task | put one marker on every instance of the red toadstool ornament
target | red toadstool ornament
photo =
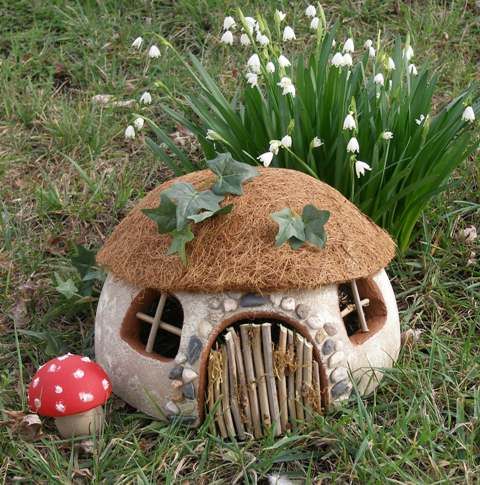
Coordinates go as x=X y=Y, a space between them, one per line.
x=72 y=389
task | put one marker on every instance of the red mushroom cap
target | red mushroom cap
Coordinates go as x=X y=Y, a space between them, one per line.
x=68 y=385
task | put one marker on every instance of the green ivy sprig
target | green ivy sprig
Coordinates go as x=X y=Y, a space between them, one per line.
x=298 y=230
x=181 y=205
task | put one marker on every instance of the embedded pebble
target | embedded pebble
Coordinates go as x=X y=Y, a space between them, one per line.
x=188 y=407
x=314 y=322
x=328 y=346
x=276 y=299
x=336 y=359
x=194 y=349
x=189 y=390
x=303 y=311
x=189 y=375
x=176 y=383
x=175 y=372
x=251 y=299
x=230 y=305
x=330 y=329
x=340 y=388
x=288 y=303
x=214 y=303
x=171 y=407
x=177 y=395
x=339 y=345
x=339 y=374
x=180 y=358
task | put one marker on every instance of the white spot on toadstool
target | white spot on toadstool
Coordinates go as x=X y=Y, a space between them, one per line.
x=105 y=384
x=60 y=407
x=85 y=396
x=58 y=389
x=85 y=359
x=78 y=374
x=37 y=403
x=63 y=357
x=35 y=382
x=53 y=368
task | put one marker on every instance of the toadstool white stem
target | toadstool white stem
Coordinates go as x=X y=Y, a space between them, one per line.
x=81 y=424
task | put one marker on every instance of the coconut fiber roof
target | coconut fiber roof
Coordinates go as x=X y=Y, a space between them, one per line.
x=237 y=251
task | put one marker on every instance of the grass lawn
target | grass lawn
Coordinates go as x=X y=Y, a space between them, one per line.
x=68 y=176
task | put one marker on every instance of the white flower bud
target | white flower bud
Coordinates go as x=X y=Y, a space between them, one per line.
x=368 y=44
x=337 y=60
x=371 y=52
x=311 y=11
x=244 y=39
x=315 y=23
x=139 y=122
x=353 y=146
x=408 y=53
x=254 y=63
x=154 y=52
x=266 y=158
x=387 y=135
x=391 y=64
x=288 y=34
x=349 y=122
x=228 y=23
x=349 y=46
x=263 y=40
x=379 y=79
x=286 y=141
x=316 y=142
x=252 y=79
x=280 y=15
x=287 y=86
x=468 y=115
x=130 y=133
x=283 y=61
x=275 y=146
x=347 y=60
x=146 y=98
x=270 y=67
x=137 y=43
x=227 y=38
x=360 y=168
x=412 y=69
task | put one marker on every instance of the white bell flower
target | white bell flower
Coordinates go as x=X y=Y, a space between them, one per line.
x=287 y=86
x=420 y=120
x=227 y=38
x=349 y=122
x=408 y=53
x=266 y=158
x=283 y=61
x=263 y=40
x=252 y=79
x=137 y=43
x=371 y=52
x=347 y=60
x=228 y=23
x=468 y=115
x=146 y=98
x=379 y=79
x=391 y=64
x=334 y=43
x=387 y=135
x=360 y=168
x=316 y=142
x=349 y=46
x=130 y=133
x=286 y=141
x=412 y=69
x=275 y=146
x=315 y=23
x=368 y=44
x=311 y=11
x=244 y=39
x=154 y=52
x=270 y=67
x=280 y=15
x=254 y=63
x=337 y=60
x=251 y=23
x=139 y=122
x=353 y=146
x=288 y=34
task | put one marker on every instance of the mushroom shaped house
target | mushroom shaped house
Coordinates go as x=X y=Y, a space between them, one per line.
x=259 y=333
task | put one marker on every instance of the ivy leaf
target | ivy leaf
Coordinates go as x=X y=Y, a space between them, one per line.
x=67 y=288
x=314 y=220
x=180 y=237
x=207 y=214
x=165 y=215
x=189 y=202
x=290 y=226
x=231 y=174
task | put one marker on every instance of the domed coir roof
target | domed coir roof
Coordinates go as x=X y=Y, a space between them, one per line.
x=237 y=252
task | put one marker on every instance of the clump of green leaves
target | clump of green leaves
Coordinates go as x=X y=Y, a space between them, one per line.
x=298 y=230
x=181 y=205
